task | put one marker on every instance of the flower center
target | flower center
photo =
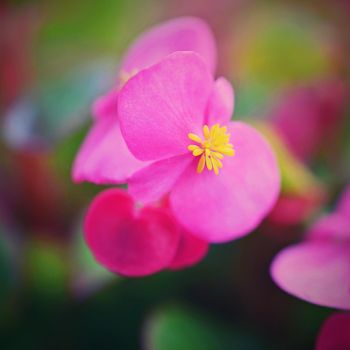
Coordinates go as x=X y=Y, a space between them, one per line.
x=212 y=149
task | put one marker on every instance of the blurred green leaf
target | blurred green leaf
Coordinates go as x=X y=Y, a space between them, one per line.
x=56 y=108
x=174 y=328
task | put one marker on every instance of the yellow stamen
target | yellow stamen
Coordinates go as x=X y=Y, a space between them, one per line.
x=215 y=145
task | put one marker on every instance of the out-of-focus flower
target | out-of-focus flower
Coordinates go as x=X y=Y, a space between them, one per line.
x=301 y=192
x=308 y=116
x=104 y=156
x=15 y=58
x=136 y=241
x=222 y=176
x=318 y=270
x=334 y=334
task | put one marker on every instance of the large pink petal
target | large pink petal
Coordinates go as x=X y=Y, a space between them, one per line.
x=222 y=207
x=315 y=271
x=128 y=243
x=334 y=334
x=343 y=207
x=221 y=103
x=154 y=181
x=181 y=34
x=159 y=106
x=190 y=251
x=104 y=157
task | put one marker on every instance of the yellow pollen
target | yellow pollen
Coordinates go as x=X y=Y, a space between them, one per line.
x=212 y=149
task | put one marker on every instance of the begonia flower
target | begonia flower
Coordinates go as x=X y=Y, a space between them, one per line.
x=222 y=176
x=318 y=269
x=134 y=241
x=334 y=334
x=104 y=157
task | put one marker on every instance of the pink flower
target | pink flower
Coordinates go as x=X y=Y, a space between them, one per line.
x=136 y=242
x=222 y=176
x=104 y=157
x=318 y=270
x=334 y=334
x=320 y=111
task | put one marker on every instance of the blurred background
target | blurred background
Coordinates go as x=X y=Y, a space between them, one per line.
x=289 y=64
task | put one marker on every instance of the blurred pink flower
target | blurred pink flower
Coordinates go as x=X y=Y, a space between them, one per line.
x=318 y=270
x=334 y=334
x=136 y=241
x=309 y=117
x=104 y=157
x=175 y=115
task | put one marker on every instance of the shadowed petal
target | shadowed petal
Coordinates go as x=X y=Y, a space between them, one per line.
x=104 y=157
x=154 y=181
x=128 y=243
x=334 y=334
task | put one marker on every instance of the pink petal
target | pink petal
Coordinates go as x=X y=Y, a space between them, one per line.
x=334 y=334
x=154 y=181
x=221 y=103
x=344 y=204
x=315 y=271
x=127 y=243
x=181 y=34
x=334 y=227
x=159 y=106
x=190 y=251
x=104 y=157
x=106 y=105
x=222 y=207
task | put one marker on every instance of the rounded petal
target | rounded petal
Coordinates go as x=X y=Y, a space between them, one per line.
x=221 y=103
x=223 y=207
x=126 y=243
x=334 y=334
x=190 y=251
x=154 y=181
x=106 y=105
x=104 y=157
x=317 y=272
x=159 y=106
x=180 y=34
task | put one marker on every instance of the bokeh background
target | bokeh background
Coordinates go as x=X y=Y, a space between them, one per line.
x=289 y=64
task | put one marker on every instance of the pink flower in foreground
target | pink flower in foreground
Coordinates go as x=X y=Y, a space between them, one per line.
x=318 y=270
x=222 y=176
x=104 y=157
x=334 y=334
x=136 y=242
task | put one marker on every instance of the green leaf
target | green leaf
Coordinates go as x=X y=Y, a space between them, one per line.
x=174 y=328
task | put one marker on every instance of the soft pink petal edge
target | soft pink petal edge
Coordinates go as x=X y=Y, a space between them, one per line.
x=316 y=272
x=104 y=158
